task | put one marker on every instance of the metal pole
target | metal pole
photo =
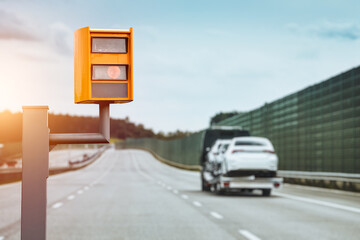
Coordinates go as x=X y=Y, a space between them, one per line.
x=83 y=138
x=35 y=170
x=104 y=120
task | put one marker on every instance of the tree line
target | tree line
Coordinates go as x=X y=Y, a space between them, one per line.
x=11 y=127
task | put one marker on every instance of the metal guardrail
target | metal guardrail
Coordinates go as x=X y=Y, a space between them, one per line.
x=341 y=181
x=14 y=174
x=321 y=175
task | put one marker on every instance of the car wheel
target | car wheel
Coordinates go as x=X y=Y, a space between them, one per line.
x=218 y=189
x=266 y=192
x=204 y=186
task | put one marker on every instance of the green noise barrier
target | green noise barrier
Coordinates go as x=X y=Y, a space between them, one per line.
x=316 y=129
x=185 y=151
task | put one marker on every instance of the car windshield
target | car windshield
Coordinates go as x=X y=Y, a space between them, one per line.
x=248 y=143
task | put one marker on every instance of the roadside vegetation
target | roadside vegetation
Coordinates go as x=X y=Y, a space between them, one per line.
x=11 y=127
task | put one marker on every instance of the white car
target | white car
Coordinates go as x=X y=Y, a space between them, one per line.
x=213 y=165
x=217 y=164
x=214 y=152
x=250 y=156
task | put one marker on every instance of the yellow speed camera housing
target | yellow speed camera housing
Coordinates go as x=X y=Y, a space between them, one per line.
x=103 y=65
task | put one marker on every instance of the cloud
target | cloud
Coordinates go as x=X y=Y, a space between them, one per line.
x=61 y=38
x=56 y=36
x=13 y=27
x=329 y=30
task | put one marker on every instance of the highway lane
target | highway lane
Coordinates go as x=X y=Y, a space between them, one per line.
x=10 y=198
x=127 y=194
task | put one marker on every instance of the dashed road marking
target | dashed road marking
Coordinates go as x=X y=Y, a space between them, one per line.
x=169 y=188
x=216 y=215
x=80 y=192
x=323 y=203
x=175 y=191
x=248 y=235
x=86 y=188
x=57 y=205
x=185 y=196
x=196 y=203
x=71 y=197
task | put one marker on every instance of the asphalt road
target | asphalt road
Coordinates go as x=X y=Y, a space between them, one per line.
x=127 y=194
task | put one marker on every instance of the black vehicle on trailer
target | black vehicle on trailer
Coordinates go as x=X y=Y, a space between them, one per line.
x=209 y=138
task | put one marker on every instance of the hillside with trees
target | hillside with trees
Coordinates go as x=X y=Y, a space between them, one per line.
x=11 y=127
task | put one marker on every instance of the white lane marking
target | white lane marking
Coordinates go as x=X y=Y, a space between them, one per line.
x=71 y=197
x=216 y=215
x=57 y=205
x=80 y=192
x=248 y=235
x=185 y=196
x=196 y=203
x=326 y=190
x=169 y=188
x=322 y=203
x=175 y=191
x=86 y=188
x=159 y=182
x=2 y=237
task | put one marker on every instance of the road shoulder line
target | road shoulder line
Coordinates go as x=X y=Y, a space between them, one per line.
x=319 y=202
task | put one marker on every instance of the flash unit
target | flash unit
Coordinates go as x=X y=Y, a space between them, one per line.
x=103 y=66
x=109 y=72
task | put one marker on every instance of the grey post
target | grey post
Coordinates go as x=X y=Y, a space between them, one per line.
x=35 y=165
x=35 y=169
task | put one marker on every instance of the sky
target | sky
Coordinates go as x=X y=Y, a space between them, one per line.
x=192 y=59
